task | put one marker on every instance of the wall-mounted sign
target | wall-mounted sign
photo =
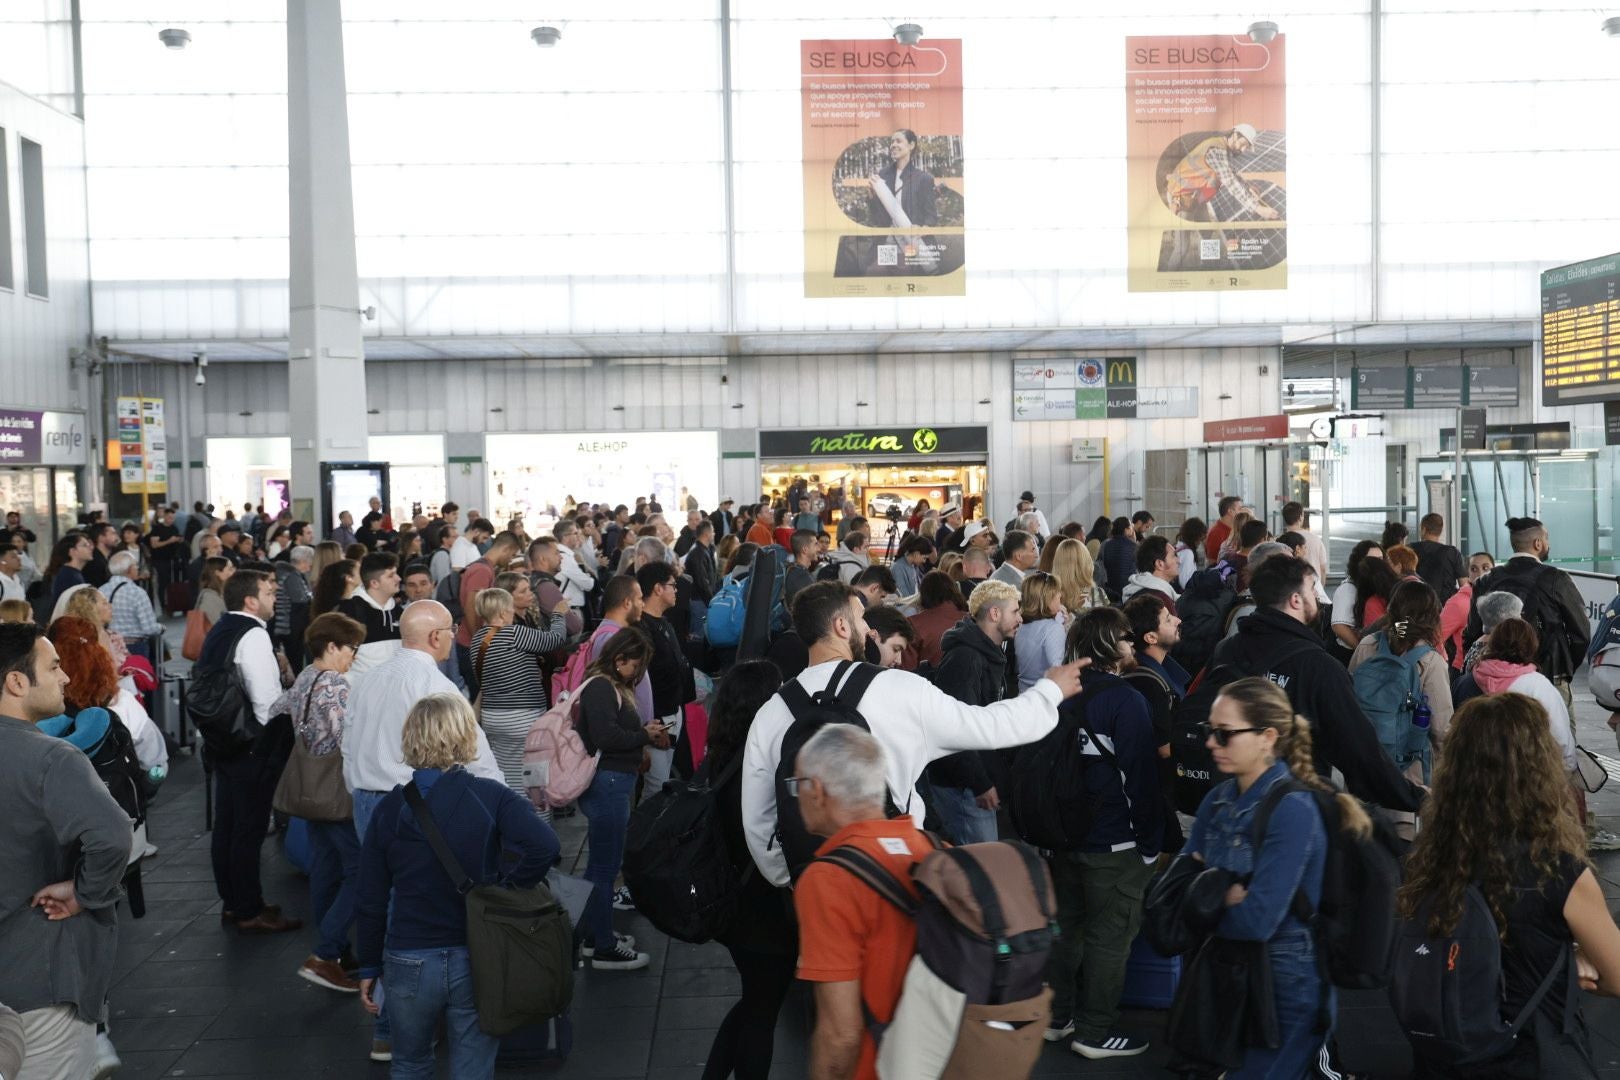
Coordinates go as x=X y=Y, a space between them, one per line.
x=1611 y=423
x=860 y=444
x=1088 y=451
x=1433 y=387
x=1248 y=429
x=143 y=446
x=1580 y=332
x=42 y=437
x=1095 y=388
x=1473 y=429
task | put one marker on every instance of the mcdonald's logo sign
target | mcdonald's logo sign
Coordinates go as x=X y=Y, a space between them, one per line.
x=1122 y=372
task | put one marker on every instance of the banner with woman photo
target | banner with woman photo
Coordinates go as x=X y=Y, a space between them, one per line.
x=883 y=188
x=1207 y=153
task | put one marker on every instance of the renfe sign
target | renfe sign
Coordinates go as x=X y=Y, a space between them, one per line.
x=42 y=438
x=1249 y=429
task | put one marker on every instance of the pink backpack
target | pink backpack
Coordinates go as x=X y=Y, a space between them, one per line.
x=556 y=766
x=568 y=678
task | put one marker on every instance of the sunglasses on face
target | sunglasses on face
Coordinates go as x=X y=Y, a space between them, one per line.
x=1223 y=736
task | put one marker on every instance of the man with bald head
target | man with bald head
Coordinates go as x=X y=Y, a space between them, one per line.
x=374 y=726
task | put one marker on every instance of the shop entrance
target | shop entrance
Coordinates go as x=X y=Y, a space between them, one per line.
x=886 y=493
x=46 y=499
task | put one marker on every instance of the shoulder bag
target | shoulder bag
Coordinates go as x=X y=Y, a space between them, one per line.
x=312 y=787
x=520 y=941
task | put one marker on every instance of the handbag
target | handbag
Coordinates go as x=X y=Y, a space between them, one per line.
x=1592 y=773
x=196 y=633
x=1225 y=1004
x=520 y=941
x=312 y=787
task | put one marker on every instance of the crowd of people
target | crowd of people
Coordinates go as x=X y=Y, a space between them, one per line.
x=1131 y=705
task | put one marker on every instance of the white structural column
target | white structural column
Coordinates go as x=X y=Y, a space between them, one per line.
x=326 y=364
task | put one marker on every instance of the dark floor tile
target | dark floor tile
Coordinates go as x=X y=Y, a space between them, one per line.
x=609 y=989
x=144 y=1064
x=173 y=1033
x=625 y=1059
x=676 y=1014
x=682 y=1048
x=185 y=973
x=682 y=955
x=135 y=1002
x=273 y=1054
x=316 y=1013
x=619 y=1022
x=676 y=1073
x=702 y=982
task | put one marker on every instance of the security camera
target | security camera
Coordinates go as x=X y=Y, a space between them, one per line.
x=546 y=36
x=201 y=379
x=908 y=33
x=174 y=38
x=370 y=313
x=1262 y=32
x=200 y=357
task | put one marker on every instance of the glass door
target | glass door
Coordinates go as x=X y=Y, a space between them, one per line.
x=1567 y=490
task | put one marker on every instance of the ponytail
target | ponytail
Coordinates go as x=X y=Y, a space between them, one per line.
x=1296 y=748
x=1265 y=705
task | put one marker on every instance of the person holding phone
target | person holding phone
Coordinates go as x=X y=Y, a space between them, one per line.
x=611 y=725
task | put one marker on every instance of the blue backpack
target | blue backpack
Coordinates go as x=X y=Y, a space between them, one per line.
x=725 y=618
x=1389 y=689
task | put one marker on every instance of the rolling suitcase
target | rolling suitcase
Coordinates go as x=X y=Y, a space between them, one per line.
x=542 y=1044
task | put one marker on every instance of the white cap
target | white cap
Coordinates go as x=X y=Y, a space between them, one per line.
x=973 y=528
x=1247 y=131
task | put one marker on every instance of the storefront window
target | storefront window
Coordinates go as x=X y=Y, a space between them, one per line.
x=532 y=476
x=28 y=492
x=416 y=481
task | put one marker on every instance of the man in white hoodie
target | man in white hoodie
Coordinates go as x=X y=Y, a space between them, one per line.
x=1156 y=569
x=916 y=722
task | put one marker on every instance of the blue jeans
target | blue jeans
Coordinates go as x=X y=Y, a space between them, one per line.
x=420 y=985
x=334 y=867
x=1299 y=1000
x=606 y=804
x=965 y=821
x=365 y=804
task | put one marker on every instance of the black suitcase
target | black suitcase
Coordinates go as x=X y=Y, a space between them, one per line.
x=542 y=1044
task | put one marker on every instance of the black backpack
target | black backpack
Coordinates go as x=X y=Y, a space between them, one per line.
x=220 y=707
x=1447 y=989
x=677 y=863
x=1355 y=925
x=1202 y=606
x=1195 y=767
x=1542 y=612
x=1048 y=800
x=828 y=571
x=838 y=703
x=448 y=593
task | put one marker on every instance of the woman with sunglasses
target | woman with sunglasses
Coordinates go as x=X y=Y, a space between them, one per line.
x=1258 y=741
x=610 y=725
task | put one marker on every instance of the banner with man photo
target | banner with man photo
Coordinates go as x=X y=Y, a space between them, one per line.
x=1206 y=144
x=883 y=189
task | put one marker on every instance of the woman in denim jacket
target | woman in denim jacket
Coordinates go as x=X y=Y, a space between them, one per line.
x=1258 y=741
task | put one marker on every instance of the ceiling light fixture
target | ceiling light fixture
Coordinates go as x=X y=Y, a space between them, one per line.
x=1262 y=32
x=1611 y=26
x=174 y=38
x=546 y=36
x=908 y=33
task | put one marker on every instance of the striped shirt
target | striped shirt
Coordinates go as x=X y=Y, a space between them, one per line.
x=132 y=613
x=512 y=677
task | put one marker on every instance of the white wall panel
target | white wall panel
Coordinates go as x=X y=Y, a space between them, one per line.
x=36 y=333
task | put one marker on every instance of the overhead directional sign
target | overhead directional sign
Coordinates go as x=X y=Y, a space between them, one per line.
x=1095 y=388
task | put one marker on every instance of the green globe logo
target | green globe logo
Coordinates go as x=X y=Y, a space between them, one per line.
x=924 y=440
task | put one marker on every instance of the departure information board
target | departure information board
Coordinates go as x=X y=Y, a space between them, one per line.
x=1580 y=332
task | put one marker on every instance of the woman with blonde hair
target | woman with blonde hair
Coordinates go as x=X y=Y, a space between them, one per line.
x=90 y=604
x=1230 y=544
x=1075 y=571
x=1044 y=630
x=410 y=917
x=1258 y=741
x=327 y=552
x=1501 y=819
x=510 y=683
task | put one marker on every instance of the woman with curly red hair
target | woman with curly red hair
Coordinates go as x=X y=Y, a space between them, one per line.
x=95 y=684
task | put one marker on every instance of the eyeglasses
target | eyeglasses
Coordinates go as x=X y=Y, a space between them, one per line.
x=1223 y=735
x=442 y=629
x=793 y=783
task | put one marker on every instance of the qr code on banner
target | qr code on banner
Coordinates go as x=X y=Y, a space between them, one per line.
x=888 y=254
x=1209 y=249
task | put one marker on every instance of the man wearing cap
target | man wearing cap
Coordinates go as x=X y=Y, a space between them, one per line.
x=950 y=535
x=1207 y=170
x=1045 y=530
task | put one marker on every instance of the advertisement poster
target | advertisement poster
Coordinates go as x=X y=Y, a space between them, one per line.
x=1094 y=388
x=143 y=450
x=883 y=187
x=1206 y=141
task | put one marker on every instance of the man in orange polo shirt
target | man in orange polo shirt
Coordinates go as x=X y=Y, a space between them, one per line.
x=853 y=945
x=760 y=533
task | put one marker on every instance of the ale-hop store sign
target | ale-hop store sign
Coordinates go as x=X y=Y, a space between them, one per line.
x=861 y=443
x=1094 y=388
